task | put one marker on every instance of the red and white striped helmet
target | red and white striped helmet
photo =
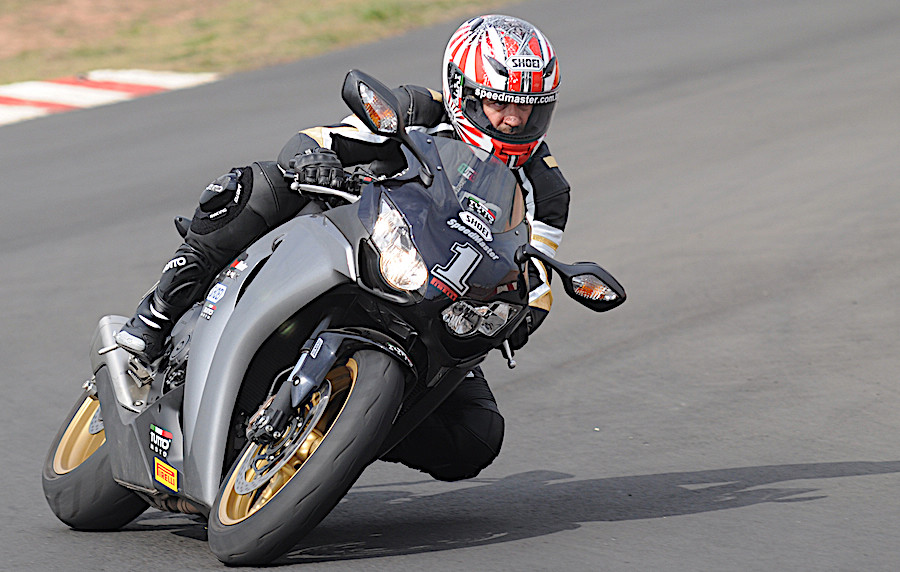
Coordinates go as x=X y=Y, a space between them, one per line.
x=505 y=59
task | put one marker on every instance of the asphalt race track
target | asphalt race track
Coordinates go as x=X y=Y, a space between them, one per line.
x=733 y=164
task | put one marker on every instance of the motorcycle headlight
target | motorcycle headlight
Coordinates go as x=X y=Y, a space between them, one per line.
x=465 y=318
x=400 y=263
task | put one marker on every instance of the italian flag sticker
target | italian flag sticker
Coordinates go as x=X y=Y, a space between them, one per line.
x=160 y=431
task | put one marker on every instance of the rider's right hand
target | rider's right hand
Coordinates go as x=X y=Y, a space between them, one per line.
x=319 y=166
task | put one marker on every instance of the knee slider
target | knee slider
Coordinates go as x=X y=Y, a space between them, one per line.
x=222 y=191
x=223 y=200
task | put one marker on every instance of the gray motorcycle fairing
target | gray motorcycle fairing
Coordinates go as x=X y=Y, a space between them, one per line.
x=299 y=261
x=280 y=274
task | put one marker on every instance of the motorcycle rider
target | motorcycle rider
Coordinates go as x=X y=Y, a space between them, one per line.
x=500 y=81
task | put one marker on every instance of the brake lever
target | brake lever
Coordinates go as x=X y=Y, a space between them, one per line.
x=508 y=354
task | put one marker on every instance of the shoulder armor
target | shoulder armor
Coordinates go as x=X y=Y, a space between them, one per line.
x=551 y=190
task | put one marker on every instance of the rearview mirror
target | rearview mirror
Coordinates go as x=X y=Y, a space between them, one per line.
x=585 y=282
x=377 y=106
x=374 y=103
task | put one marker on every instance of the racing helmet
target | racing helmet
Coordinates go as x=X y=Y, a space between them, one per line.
x=507 y=60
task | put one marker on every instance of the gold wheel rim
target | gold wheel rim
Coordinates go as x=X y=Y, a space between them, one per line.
x=77 y=443
x=235 y=508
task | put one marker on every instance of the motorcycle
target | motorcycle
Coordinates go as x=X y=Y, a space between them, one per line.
x=314 y=353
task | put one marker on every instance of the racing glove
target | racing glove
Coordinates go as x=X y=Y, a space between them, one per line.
x=319 y=166
x=534 y=314
x=533 y=318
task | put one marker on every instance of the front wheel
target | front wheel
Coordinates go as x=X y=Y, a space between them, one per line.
x=253 y=523
x=77 y=477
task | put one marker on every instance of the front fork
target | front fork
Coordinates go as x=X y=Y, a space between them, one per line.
x=317 y=357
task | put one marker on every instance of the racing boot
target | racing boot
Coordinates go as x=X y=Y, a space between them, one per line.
x=183 y=281
x=145 y=333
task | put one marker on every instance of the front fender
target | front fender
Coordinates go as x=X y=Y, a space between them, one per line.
x=286 y=269
x=330 y=345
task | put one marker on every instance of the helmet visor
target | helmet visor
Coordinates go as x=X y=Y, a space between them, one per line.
x=542 y=105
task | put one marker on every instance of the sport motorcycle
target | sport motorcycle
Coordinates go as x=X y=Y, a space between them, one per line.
x=314 y=353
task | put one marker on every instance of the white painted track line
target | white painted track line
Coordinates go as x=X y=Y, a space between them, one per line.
x=30 y=99
x=73 y=95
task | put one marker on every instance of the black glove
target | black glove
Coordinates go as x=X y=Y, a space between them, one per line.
x=533 y=318
x=319 y=166
x=519 y=337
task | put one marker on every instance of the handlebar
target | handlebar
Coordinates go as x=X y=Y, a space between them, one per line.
x=349 y=190
x=316 y=189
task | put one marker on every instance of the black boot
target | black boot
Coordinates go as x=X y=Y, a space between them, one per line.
x=184 y=280
x=145 y=333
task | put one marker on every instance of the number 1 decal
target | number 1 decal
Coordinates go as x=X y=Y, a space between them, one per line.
x=456 y=273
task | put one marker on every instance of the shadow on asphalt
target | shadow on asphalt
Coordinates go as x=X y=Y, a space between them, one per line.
x=386 y=520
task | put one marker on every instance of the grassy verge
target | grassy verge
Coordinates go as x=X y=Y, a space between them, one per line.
x=52 y=38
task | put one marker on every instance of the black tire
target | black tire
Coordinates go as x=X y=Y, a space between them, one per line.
x=349 y=444
x=77 y=477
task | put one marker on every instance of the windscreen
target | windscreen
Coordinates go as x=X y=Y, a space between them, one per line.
x=483 y=185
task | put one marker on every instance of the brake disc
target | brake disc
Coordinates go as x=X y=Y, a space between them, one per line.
x=258 y=468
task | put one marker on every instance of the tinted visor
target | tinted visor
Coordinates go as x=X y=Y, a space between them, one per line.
x=536 y=126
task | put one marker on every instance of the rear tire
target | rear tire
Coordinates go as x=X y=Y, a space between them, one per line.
x=77 y=476
x=260 y=526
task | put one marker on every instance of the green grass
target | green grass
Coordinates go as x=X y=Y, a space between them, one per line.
x=53 y=38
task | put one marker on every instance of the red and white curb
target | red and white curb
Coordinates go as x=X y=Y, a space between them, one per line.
x=29 y=99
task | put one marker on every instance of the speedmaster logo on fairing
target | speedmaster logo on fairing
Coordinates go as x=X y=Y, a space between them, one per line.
x=456 y=225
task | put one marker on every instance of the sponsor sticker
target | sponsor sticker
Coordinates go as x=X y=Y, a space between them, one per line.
x=175 y=263
x=525 y=63
x=235 y=269
x=523 y=99
x=448 y=291
x=165 y=474
x=207 y=311
x=466 y=171
x=480 y=209
x=216 y=293
x=316 y=347
x=477 y=237
x=160 y=441
x=453 y=278
x=477 y=224
x=398 y=351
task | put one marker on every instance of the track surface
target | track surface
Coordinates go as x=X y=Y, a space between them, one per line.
x=733 y=164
